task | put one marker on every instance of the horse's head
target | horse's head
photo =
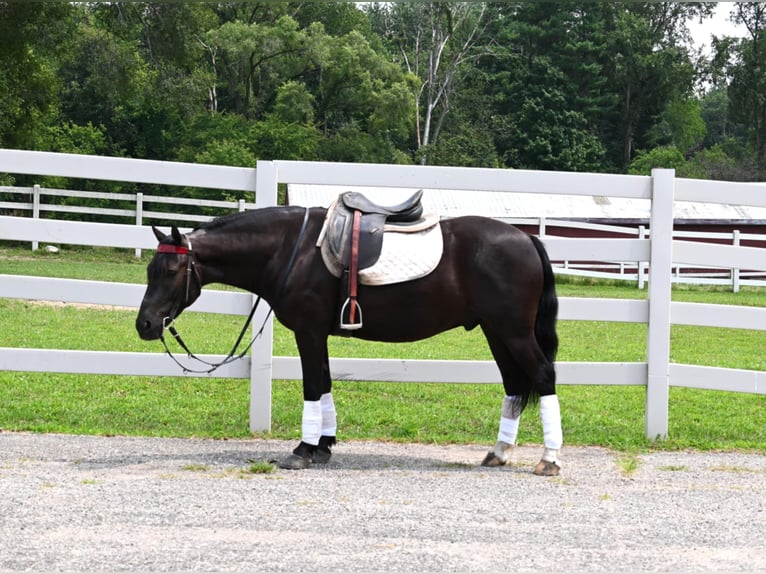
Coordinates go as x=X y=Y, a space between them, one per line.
x=173 y=283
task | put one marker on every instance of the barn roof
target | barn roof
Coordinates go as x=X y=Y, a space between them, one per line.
x=510 y=205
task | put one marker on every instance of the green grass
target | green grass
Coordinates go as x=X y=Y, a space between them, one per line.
x=431 y=413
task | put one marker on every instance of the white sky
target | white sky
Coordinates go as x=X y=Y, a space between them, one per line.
x=719 y=25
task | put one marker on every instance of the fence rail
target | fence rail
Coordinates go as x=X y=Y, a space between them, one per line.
x=635 y=271
x=138 y=212
x=659 y=249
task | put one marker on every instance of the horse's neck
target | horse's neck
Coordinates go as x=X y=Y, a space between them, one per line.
x=247 y=259
x=240 y=261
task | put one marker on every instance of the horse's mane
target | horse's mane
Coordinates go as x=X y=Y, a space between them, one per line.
x=247 y=218
x=225 y=220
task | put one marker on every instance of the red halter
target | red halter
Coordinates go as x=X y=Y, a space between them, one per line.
x=165 y=248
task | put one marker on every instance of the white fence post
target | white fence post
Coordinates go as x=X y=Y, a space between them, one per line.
x=641 y=265
x=262 y=351
x=735 y=272
x=139 y=215
x=35 y=211
x=660 y=281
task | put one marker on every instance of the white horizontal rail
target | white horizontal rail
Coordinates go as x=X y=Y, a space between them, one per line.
x=127 y=169
x=433 y=371
x=86 y=194
x=728 y=192
x=709 y=315
x=617 y=229
x=53 y=208
x=605 y=249
x=113 y=294
x=619 y=310
x=175 y=217
x=110 y=363
x=460 y=178
x=718 y=379
x=716 y=255
x=76 y=232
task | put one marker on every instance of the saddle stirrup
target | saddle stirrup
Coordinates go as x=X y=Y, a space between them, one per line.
x=351 y=302
x=352 y=305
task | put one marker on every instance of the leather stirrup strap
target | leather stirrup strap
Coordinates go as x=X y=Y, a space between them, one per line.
x=354 y=265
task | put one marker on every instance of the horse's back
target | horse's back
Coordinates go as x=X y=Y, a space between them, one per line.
x=487 y=266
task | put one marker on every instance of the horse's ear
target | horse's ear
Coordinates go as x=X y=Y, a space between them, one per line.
x=158 y=234
x=177 y=238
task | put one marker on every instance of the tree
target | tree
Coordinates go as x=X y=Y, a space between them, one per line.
x=28 y=68
x=543 y=99
x=747 y=76
x=680 y=124
x=647 y=65
x=436 y=42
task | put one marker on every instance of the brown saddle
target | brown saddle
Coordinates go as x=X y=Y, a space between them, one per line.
x=353 y=237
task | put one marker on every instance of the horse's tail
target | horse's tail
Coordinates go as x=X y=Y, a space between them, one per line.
x=547 y=311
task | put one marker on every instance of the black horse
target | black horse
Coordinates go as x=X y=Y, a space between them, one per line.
x=490 y=274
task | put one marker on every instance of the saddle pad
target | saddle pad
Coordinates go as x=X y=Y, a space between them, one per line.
x=404 y=257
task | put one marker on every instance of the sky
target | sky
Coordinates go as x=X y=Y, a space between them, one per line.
x=719 y=25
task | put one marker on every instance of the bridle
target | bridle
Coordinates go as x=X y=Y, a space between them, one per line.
x=191 y=271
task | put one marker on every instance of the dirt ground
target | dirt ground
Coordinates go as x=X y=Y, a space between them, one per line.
x=82 y=503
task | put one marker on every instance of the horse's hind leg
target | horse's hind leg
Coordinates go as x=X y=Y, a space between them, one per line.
x=543 y=377
x=526 y=371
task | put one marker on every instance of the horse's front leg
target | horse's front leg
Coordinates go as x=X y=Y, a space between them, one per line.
x=319 y=424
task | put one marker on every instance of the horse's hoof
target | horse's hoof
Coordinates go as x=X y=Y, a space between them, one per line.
x=295 y=462
x=547 y=468
x=321 y=456
x=322 y=453
x=493 y=460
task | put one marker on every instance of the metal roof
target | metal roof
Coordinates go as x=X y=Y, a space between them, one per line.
x=514 y=205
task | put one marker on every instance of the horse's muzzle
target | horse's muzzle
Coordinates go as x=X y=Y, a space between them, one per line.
x=148 y=328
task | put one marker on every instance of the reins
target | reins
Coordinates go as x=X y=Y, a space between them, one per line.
x=168 y=322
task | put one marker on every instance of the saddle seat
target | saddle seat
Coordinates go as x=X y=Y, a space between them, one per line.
x=408 y=211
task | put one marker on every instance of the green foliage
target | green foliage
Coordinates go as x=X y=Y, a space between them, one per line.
x=681 y=125
x=572 y=85
x=294 y=103
x=661 y=157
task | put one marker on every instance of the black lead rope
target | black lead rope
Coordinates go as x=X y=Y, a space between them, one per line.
x=231 y=357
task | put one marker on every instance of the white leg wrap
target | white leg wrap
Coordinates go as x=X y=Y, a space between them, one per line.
x=329 y=419
x=509 y=426
x=312 y=422
x=550 y=415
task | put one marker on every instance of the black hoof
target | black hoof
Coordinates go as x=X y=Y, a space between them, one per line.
x=547 y=468
x=294 y=462
x=493 y=460
x=323 y=452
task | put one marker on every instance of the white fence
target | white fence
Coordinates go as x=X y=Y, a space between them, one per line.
x=32 y=200
x=660 y=252
x=638 y=272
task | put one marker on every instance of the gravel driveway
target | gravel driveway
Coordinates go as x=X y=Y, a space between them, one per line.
x=80 y=503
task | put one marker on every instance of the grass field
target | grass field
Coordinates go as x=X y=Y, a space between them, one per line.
x=209 y=407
